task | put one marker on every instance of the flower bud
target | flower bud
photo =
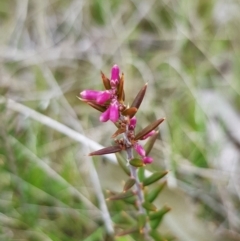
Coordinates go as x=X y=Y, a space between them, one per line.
x=105 y=115
x=115 y=72
x=147 y=160
x=148 y=135
x=103 y=96
x=89 y=94
x=139 y=149
x=132 y=123
x=114 y=113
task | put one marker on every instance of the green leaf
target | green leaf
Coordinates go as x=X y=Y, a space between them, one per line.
x=150 y=143
x=122 y=163
x=157 y=217
x=122 y=195
x=128 y=231
x=141 y=172
x=156 y=235
x=153 y=178
x=129 y=183
x=160 y=213
x=142 y=219
x=136 y=162
x=128 y=219
x=152 y=195
x=131 y=200
x=149 y=206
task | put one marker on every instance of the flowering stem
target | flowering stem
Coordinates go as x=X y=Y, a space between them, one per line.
x=134 y=175
x=138 y=190
x=111 y=103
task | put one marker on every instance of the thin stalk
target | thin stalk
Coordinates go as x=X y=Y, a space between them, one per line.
x=138 y=187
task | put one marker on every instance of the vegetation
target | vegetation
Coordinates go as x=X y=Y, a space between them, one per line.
x=187 y=51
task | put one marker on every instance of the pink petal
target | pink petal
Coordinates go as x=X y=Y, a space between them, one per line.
x=114 y=113
x=89 y=94
x=132 y=123
x=148 y=135
x=147 y=159
x=105 y=115
x=140 y=150
x=103 y=96
x=115 y=72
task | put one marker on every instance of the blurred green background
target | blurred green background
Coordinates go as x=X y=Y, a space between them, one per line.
x=50 y=50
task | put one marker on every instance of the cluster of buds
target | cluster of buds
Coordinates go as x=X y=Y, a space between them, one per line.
x=111 y=103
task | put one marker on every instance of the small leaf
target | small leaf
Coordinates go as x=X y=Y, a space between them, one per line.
x=128 y=231
x=131 y=200
x=122 y=195
x=81 y=99
x=156 y=235
x=153 y=178
x=93 y=104
x=97 y=106
x=120 y=89
x=149 y=128
x=142 y=219
x=159 y=214
x=149 y=206
x=136 y=162
x=118 y=132
x=130 y=112
x=122 y=163
x=141 y=173
x=152 y=195
x=129 y=183
x=127 y=218
x=156 y=218
x=138 y=99
x=106 y=150
x=149 y=145
x=106 y=81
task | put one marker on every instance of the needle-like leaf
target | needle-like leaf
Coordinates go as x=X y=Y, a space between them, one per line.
x=149 y=145
x=106 y=81
x=154 y=177
x=122 y=195
x=106 y=150
x=130 y=112
x=129 y=183
x=120 y=89
x=149 y=128
x=138 y=99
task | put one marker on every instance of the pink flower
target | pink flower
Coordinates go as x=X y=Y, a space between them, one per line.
x=111 y=113
x=89 y=94
x=103 y=96
x=114 y=75
x=99 y=96
x=115 y=72
x=147 y=159
x=132 y=123
x=140 y=150
x=114 y=113
x=105 y=115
